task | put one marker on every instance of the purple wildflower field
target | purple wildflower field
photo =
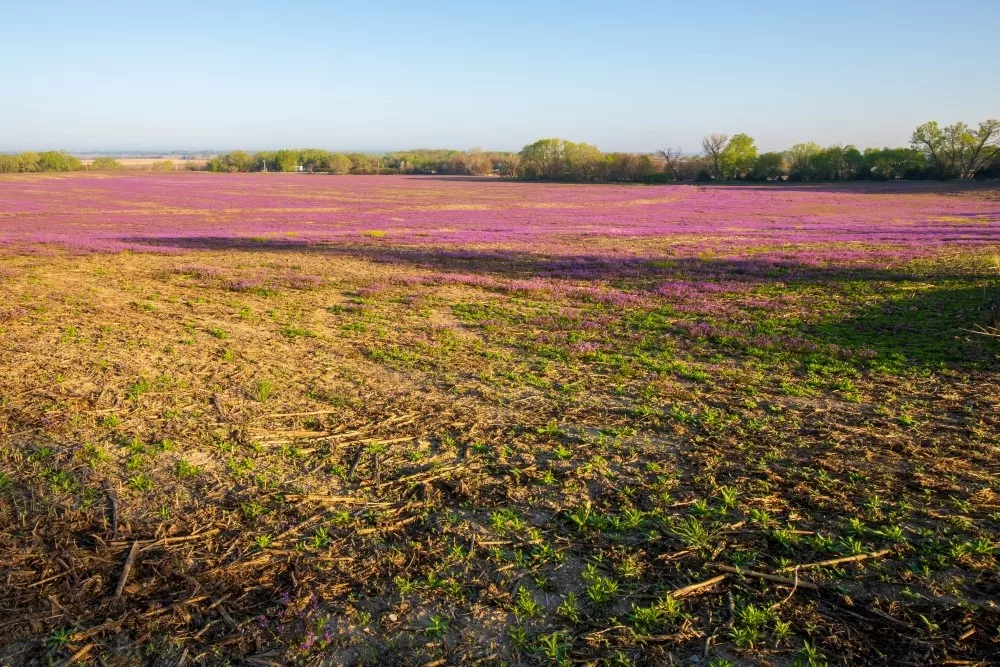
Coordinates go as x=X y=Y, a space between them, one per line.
x=421 y=420
x=804 y=224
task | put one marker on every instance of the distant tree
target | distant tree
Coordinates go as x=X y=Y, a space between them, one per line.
x=162 y=165
x=713 y=145
x=285 y=160
x=508 y=165
x=883 y=164
x=263 y=161
x=234 y=161
x=543 y=159
x=363 y=163
x=583 y=161
x=694 y=168
x=802 y=161
x=835 y=163
x=826 y=165
x=104 y=163
x=28 y=162
x=58 y=161
x=432 y=161
x=671 y=156
x=339 y=163
x=557 y=159
x=479 y=163
x=9 y=164
x=853 y=162
x=958 y=151
x=239 y=161
x=455 y=164
x=931 y=139
x=629 y=167
x=313 y=159
x=768 y=167
x=738 y=157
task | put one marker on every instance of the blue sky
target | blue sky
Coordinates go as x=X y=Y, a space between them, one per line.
x=389 y=75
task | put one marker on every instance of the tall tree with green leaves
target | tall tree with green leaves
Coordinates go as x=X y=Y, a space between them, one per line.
x=339 y=163
x=58 y=161
x=314 y=159
x=286 y=160
x=583 y=161
x=768 y=167
x=543 y=159
x=738 y=157
x=958 y=151
x=802 y=161
x=105 y=163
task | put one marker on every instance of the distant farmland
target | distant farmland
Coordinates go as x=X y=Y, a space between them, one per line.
x=310 y=419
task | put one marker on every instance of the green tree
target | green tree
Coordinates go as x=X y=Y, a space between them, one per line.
x=738 y=157
x=363 y=163
x=802 y=161
x=583 y=161
x=883 y=164
x=958 y=151
x=58 y=161
x=263 y=161
x=230 y=162
x=826 y=165
x=28 y=162
x=285 y=160
x=339 y=163
x=543 y=159
x=9 y=164
x=629 y=167
x=836 y=163
x=769 y=167
x=314 y=159
x=853 y=162
x=104 y=163
x=216 y=164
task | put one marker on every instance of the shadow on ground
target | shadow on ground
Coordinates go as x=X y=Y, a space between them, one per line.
x=841 y=187
x=923 y=316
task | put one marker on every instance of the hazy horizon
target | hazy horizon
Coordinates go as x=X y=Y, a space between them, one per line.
x=112 y=77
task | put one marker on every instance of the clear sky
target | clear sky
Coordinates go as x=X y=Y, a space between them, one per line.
x=389 y=75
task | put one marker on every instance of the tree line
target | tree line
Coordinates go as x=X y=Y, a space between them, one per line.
x=422 y=161
x=953 y=151
x=30 y=161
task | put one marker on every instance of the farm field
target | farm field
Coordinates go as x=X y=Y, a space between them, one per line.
x=304 y=419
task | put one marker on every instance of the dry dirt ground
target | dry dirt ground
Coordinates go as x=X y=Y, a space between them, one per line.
x=272 y=455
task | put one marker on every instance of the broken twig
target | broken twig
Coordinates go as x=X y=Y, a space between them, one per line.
x=694 y=588
x=836 y=561
x=761 y=575
x=129 y=561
